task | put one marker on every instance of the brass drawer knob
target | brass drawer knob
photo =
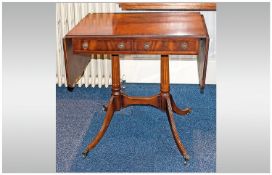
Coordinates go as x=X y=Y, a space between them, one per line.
x=121 y=45
x=146 y=46
x=85 y=45
x=184 y=45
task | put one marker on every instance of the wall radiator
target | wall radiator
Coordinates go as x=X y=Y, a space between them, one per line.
x=98 y=72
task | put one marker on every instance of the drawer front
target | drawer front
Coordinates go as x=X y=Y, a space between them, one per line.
x=137 y=46
x=102 y=45
x=188 y=46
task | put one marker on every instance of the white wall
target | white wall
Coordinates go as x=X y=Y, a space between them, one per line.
x=181 y=70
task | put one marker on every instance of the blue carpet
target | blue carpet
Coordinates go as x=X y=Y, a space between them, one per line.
x=139 y=138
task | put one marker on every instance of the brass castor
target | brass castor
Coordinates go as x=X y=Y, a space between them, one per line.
x=85 y=153
x=189 y=112
x=186 y=159
x=105 y=108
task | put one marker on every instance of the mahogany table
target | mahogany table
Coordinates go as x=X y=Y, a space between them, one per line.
x=137 y=33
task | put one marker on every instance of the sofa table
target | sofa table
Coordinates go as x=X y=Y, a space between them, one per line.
x=176 y=33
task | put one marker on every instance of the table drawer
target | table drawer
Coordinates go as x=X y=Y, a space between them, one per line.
x=137 y=46
x=189 y=46
x=102 y=45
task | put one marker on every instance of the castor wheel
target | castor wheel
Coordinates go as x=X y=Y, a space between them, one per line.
x=85 y=153
x=189 y=112
x=105 y=108
x=186 y=159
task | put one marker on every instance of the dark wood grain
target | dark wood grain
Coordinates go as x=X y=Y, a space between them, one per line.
x=137 y=46
x=170 y=24
x=154 y=101
x=165 y=79
x=169 y=6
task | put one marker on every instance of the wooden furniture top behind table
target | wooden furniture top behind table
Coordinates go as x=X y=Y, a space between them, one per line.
x=165 y=6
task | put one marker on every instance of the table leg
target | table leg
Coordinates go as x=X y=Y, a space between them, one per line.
x=116 y=85
x=163 y=101
x=165 y=81
x=167 y=104
x=114 y=104
x=177 y=110
x=175 y=132
x=105 y=125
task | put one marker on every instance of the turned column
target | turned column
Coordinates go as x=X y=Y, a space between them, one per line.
x=165 y=81
x=116 y=86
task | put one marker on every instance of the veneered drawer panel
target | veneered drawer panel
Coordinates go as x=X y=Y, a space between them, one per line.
x=185 y=45
x=102 y=45
x=189 y=46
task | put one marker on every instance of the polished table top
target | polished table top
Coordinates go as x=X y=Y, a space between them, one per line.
x=163 y=33
x=162 y=24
